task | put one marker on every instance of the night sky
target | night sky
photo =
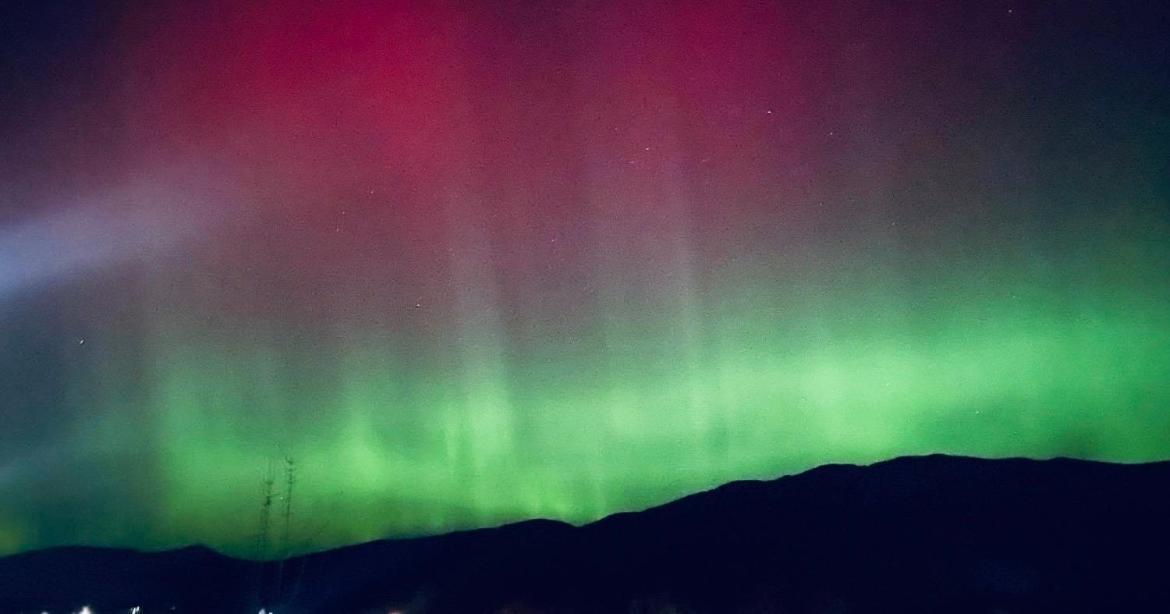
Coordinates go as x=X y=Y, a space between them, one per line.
x=472 y=264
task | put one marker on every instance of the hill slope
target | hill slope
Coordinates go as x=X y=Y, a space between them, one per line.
x=919 y=534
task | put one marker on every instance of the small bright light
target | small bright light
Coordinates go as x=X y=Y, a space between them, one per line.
x=85 y=610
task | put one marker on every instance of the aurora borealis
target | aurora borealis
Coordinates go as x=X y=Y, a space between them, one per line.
x=468 y=264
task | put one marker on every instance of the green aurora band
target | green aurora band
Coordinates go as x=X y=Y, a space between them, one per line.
x=767 y=380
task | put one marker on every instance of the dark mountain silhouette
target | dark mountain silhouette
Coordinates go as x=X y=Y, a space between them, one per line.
x=919 y=534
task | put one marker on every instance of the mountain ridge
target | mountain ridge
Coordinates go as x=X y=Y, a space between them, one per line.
x=920 y=533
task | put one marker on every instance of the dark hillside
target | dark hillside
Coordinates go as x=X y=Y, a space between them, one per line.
x=920 y=534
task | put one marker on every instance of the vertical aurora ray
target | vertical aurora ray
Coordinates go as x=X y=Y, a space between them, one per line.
x=468 y=266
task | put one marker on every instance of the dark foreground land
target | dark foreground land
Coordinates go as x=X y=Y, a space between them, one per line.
x=922 y=534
